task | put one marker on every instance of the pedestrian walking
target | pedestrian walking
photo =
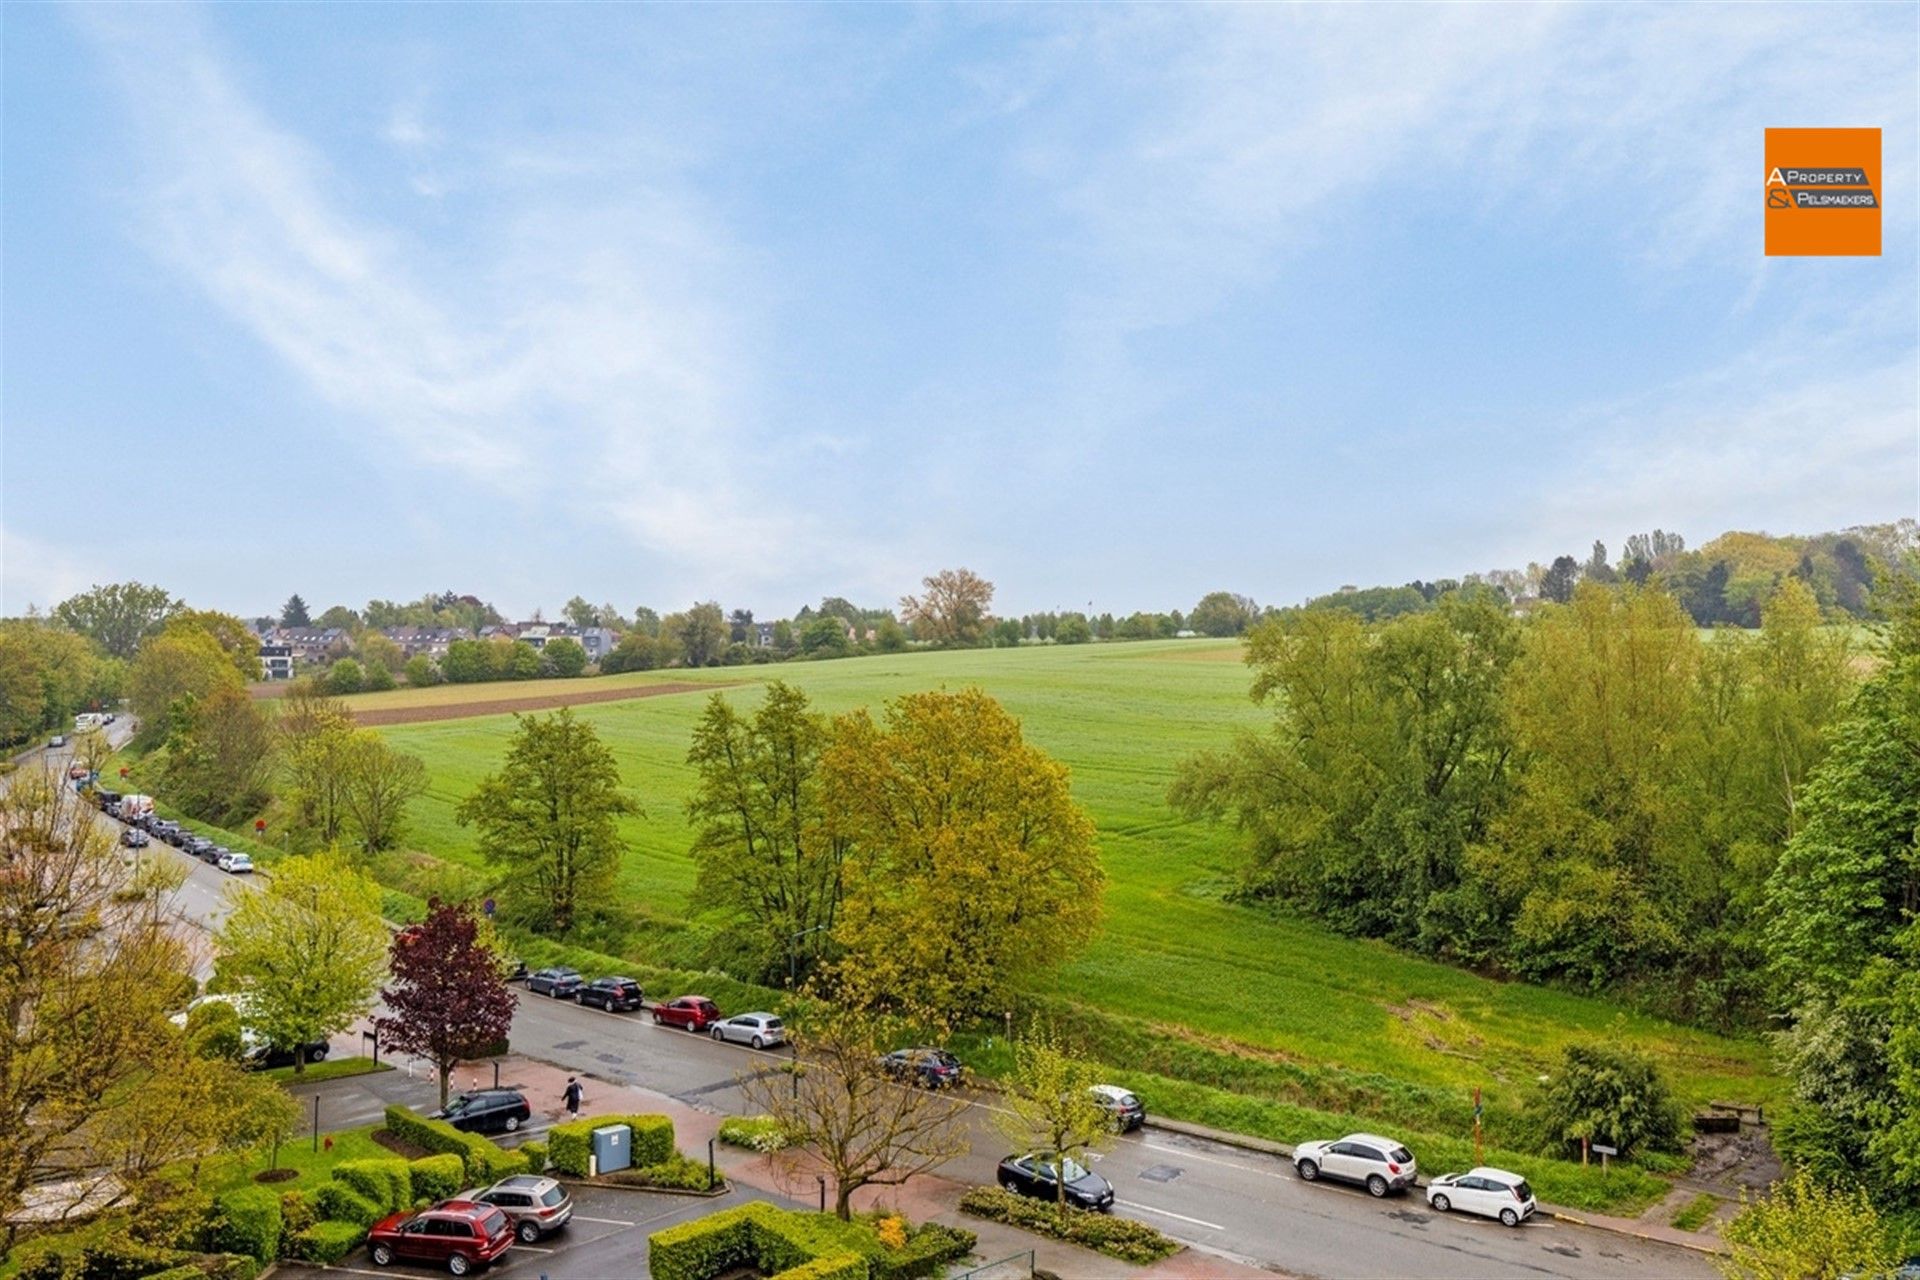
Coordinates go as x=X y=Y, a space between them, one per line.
x=574 y=1095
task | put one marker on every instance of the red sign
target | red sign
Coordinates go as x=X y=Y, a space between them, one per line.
x=259 y=824
x=123 y=771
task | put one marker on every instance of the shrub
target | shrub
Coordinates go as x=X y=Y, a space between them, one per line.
x=755 y=1133
x=1611 y=1096
x=706 y=1247
x=839 y=1266
x=248 y=1220
x=484 y=1161
x=678 y=1173
x=386 y=1183
x=536 y=1156
x=437 y=1177
x=378 y=680
x=327 y=1242
x=1121 y=1238
x=339 y=1202
x=570 y=1144
x=296 y=1214
x=928 y=1249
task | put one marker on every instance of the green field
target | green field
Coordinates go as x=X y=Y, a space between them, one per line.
x=1272 y=1006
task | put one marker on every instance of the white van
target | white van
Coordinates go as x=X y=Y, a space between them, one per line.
x=88 y=720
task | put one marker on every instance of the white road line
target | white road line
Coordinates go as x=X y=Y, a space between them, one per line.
x=608 y=1222
x=527 y=1248
x=1168 y=1213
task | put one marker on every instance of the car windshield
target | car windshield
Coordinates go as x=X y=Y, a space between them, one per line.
x=552 y=1196
x=1128 y=1100
x=1522 y=1191
x=1401 y=1155
x=1073 y=1170
x=493 y=1222
x=460 y=1103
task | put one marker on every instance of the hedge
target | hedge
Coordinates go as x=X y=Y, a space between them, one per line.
x=440 y=1177
x=929 y=1248
x=327 y=1242
x=248 y=1220
x=797 y=1246
x=755 y=1133
x=296 y=1214
x=387 y=1183
x=1121 y=1238
x=120 y=1257
x=485 y=1162
x=841 y=1266
x=341 y=1203
x=535 y=1154
x=707 y=1247
x=569 y=1145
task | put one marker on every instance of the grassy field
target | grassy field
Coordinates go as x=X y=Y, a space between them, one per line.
x=1337 y=1018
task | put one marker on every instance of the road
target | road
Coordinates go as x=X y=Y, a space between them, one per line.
x=1209 y=1195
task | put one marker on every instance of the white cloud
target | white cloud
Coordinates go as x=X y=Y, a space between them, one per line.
x=571 y=359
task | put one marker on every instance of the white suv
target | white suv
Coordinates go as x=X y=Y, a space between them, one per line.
x=1492 y=1193
x=1376 y=1163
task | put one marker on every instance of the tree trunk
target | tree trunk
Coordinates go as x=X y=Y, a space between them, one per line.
x=843 y=1201
x=446 y=1074
x=299 y=1059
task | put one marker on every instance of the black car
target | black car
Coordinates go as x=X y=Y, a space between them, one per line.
x=1034 y=1175
x=105 y=799
x=561 y=984
x=930 y=1068
x=275 y=1055
x=199 y=846
x=487 y=1111
x=616 y=995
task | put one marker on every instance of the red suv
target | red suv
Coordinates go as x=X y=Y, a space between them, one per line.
x=458 y=1234
x=694 y=1013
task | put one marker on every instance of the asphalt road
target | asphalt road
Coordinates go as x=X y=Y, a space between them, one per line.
x=1215 y=1197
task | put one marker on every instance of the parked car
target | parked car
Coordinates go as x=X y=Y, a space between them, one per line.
x=1124 y=1106
x=262 y=1056
x=536 y=1206
x=1378 y=1164
x=561 y=984
x=615 y=995
x=235 y=864
x=456 y=1234
x=135 y=838
x=1492 y=1193
x=77 y=770
x=1036 y=1176
x=930 y=1068
x=109 y=801
x=166 y=829
x=199 y=846
x=487 y=1111
x=695 y=1013
x=756 y=1029
x=57 y=741
x=516 y=970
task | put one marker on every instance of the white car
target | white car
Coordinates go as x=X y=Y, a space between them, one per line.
x=1376 y=1163
x=238 y=864
x=1492 y=1193
x=757 y=1029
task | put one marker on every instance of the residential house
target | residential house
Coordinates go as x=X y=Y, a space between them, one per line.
x=276 y=660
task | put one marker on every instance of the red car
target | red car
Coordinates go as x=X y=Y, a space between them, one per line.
x=695 y=1013
x=457 y=1234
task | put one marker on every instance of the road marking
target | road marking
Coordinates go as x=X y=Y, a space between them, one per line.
x=1168 y=1213
x=1245 y=1166
x=609 y=1222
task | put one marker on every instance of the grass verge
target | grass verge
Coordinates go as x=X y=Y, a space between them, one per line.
x=1696 y=1212
x=331 y=1069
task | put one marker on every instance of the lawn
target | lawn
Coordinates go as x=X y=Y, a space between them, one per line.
x=1173 y=958
x=328 y=1069
x=224 y=1173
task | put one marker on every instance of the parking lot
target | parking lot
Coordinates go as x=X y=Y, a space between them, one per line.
x=607 y=1237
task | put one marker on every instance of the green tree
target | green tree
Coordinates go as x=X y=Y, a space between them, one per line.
x=117 y=617
x=469 y=662
x=1563 y=575
x=646 y=622
x=305 y=954
x=421 y=672
x=700 y=634
x=951 y=609
x=547 y=819
x=347 y=620
x=969 y=868
x=766 y=857
x=890 y=636
x=220 y=758
x=294 y=612
x=377 y=785
x=1048 y=1106
x=521 y=661
x=1222 y=613
x=825 y=636
x=1803 y=1230
x=580 y=613
x=564 y=656
x=1612 y=1096
x=314 y=731
x=637 y=651
x=345 y=676
x=1072 y=629
x=379 y=679
x=170 y=667
x=236 y=639
x=784 y=641
x=376 y=650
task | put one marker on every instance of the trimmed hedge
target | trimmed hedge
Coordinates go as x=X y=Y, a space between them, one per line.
x=385 y=1183
x=707 y=1247
x=798 y=1246
x=341 y=1203
x=535 y=1154
x=438 y=1177
x=1121 y=1238
x=485 y=1162
x=841 y=1266
x=929 y=1248
x=118 y=1256
x=755 y=1133
x=327 y=1242
x=569 y=1145
x=296 y=1214
x=248 y=1220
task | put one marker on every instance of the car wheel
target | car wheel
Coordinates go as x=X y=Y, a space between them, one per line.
x=1308 y=1170
x=758 y=1043
x=529 y=1233
x=1377 y=1186
x=458 y=1264
x=1441 y=1204
x=513 y=1123
x=658 y=1020
x=1509 y=1218
x=715 y=1033
x=381 y=1255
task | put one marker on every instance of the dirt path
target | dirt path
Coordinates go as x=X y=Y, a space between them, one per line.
x=535 y=702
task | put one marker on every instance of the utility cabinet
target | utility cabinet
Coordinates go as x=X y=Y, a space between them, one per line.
x=612 y=1149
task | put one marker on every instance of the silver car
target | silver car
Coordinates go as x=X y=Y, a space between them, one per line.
x=760 y=1030
x=536 y=1206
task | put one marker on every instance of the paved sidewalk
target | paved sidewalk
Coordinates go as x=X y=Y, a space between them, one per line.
x=926 y=1197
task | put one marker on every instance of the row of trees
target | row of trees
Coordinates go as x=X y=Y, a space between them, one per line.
x=1591 y=796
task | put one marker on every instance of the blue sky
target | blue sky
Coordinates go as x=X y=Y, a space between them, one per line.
x=767 y=302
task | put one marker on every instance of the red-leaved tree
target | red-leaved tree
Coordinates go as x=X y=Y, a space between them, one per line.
x=449 y=1000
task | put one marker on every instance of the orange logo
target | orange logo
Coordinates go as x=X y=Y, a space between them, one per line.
x=1823 y=193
